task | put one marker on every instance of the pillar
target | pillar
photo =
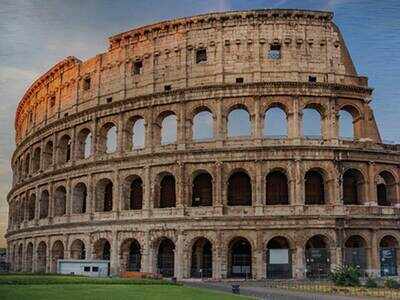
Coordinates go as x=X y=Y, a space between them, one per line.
x=299 y=263
x=114 y=259
x=179 y=257
x=371 y=197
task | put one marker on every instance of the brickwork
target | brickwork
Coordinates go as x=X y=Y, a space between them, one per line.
x=75 y=196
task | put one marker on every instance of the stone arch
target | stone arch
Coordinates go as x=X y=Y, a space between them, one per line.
x=353 y=187
x=276 y=188
x=108 y=141
x=60 y=201
x=314 y=187
x=201 y=258
x=313 y=118
x=79 y=198
x=275 y=121
x=84 y=145
x=239 y=189
x=57 y=253
x=388 y=255
x=166 y=190
x=78 y=249
x=355 y=252
x=104 y=195
x=31 y=207
x=317 y=256
x=41 y=257
x=239 y=258
x=202 y=188
x=386 y=187
x=133 y=191
x=102 y=249
x=64 y=149
x=48 y=155
x=44 y=204
x=349 y=116
x=166 y=257
x=131 y=255
x=29 y=258
x=279 y=258
x=36 y=159
x=136 y=133
x=239 y=121
x=202 y=124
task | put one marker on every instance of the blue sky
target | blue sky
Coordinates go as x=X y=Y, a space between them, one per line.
x=35 y=35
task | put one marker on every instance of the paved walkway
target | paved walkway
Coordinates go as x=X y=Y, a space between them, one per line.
x=259 y=291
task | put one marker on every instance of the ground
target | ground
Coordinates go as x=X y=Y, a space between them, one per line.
x=65 y=288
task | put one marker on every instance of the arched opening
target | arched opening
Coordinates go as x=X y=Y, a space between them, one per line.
x=102 y=249
x=276 y=188
x=388 y=255
x=79 y=196
x=29 y=258
x=131 y=255
x=27 y=164
x=239 y=124
x=84 y=144
x=312 y=123
x=108 y=139
x=275 y=123
x=78 y=250
x=60 y=200
x=48 y=155
x=346 y=124
x=31 y=207
x=104 y=195
x=138 y=133
x=353 y=185
x=201 y=263
x=314 y=188
x=167 y=196
x=317 y=257
x=44 y=205
x=57 y=252
x=239 y=258
x=20 y=259
x=202 y=190
x=279 y=258
x=239 y=189
x=355 y=253
x=64 y=149
x=386 y=189
x=203 y=126
x=134 y=186
x=165 y=258
x=169 y=130
x=41 y=257
x=36 y=160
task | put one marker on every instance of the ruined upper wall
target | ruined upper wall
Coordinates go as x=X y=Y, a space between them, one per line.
x=237 y=45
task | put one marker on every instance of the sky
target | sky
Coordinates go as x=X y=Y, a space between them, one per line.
x=35 y=35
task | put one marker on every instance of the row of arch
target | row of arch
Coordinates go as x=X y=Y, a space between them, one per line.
x=239 y=192
x=279 y=256
x=238 y=125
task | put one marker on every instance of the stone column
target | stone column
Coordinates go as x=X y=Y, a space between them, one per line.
x=257 y=121
x=299 y=263
x=114 y=259
x=180 y=199
x=294 y=121
x=178 y=263
x=220 y=125
x=371 y=197
x=298 y=183
x=373 y=259
x=145 y=264
x=257 y=263
x=91 y=195
x=259 y=190
x=120 y=134
x=218 y=186
x=181 y=138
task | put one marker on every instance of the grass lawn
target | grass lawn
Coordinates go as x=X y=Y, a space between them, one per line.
x=106 y=292
x=53 y=287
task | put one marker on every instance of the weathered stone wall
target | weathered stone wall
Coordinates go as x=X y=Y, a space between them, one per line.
x=62 y=108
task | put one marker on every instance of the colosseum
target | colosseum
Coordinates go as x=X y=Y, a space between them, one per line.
x=160 y=156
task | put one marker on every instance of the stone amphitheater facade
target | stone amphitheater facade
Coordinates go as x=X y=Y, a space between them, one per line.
x=88 y=185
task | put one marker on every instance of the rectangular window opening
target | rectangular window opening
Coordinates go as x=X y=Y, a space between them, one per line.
x=167 y=88
x=239 y=80
x=95 y=269
x=52 y=101
x=86 y=269
x=137 y=67
x=201 y=55
x=274 y=51
x=312 y=78
x=109 y=100
x=86 y=84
